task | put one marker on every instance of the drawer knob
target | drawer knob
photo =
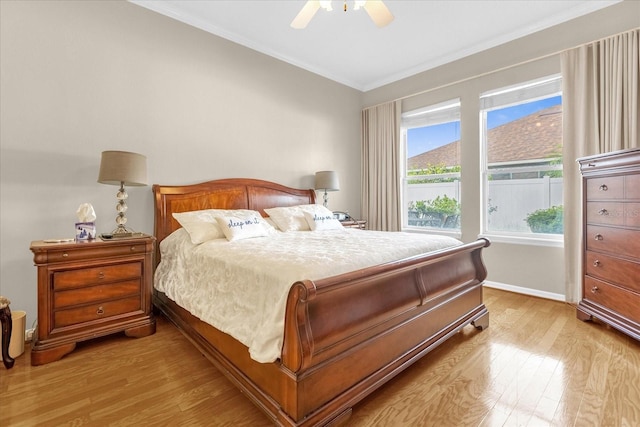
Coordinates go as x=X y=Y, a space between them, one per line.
x=133 y=248
x=64 y=254
x=604 y=187
x=603 y=212
x=594 y=289
x=101 y=275
x=100 y=311
x=596 y=263
x=598 y=237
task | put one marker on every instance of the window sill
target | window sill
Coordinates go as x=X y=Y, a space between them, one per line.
x=526 y=239
x=444 y=232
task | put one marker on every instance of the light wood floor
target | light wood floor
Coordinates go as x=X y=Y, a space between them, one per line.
x=536 y=365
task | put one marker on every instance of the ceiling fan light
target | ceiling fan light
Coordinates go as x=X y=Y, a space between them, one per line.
x=326 y=5
x=357 y=4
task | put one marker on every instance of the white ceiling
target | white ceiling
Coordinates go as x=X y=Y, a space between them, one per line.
x=348 y=48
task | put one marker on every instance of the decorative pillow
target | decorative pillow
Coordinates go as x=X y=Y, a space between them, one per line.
x=292 y=218
x=322 y=222
x=202 y=226
x=235 y=228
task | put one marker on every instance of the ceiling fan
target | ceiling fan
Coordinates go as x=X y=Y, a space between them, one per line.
x=378 y=12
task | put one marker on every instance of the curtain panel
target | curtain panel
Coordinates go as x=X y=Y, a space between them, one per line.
x=601 y=93
x=380 y=202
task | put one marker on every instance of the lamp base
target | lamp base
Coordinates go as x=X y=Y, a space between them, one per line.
x=122 y=231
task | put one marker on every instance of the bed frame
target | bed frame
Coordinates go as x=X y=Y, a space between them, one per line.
x=345 y=336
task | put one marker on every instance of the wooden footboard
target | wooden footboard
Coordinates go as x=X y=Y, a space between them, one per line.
x=347 y=335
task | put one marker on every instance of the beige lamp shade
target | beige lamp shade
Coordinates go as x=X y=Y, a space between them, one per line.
x=327 y=181
x=118 y=167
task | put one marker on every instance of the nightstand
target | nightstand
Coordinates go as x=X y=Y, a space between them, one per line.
x=89 y=289
x=360 y=224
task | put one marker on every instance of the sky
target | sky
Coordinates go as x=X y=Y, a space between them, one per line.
x=428 y=138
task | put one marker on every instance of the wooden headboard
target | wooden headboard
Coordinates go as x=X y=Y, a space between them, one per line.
x=234 y=193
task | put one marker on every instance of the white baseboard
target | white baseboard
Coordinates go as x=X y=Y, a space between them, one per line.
x=525 y=291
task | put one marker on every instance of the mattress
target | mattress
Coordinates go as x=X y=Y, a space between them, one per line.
x=241 y=287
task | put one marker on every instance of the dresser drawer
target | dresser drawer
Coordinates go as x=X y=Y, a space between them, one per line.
x=96 y=311
x=610 y=187
x=97 y=293
x=622 y=301
x=632 y=187
x=91 y=276
x=615 y=241
x=614 y=213
x=620 y=272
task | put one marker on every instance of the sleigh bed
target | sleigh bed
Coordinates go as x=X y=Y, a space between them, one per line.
x=344 y=335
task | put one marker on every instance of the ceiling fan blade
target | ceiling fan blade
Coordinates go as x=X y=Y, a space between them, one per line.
x=306 y=13
x=378 y=12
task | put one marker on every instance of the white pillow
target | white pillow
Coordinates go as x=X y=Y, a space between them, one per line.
x=202 y=226
x=235 y=228
x=292 y=218
x=322 y=222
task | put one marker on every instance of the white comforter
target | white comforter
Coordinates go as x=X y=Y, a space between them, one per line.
x=241 y=287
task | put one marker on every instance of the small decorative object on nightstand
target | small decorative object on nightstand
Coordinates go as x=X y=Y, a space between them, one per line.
x=89 y=289
x=360 y=224
x=348 y=221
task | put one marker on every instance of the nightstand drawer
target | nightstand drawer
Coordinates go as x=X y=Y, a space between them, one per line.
x=90 y=276
x=91 y=250
x=97 y=293
x=96 y=311
x=626 y=303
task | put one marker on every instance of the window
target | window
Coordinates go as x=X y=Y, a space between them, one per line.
x=431 y=184
x=522 y=160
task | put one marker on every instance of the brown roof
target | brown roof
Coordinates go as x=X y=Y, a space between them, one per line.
x=532 y=137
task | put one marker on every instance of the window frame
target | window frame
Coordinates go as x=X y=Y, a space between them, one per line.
x=434 y=114
x=525 y=92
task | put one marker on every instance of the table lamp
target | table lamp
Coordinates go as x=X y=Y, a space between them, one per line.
x=122 y=168
x=327 y=181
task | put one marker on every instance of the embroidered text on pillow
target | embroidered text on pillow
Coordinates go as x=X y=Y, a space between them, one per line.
x=241 y=223
x=317 y=218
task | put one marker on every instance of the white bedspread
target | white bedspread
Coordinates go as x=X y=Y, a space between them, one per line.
x=241 y=287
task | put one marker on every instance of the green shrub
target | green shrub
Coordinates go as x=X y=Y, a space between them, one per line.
x=549 y=220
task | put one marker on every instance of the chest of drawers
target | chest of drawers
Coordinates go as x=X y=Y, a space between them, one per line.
x=611 y=259
x=90 y=289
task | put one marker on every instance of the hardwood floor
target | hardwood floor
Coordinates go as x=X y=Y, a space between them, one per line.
x=536 y=365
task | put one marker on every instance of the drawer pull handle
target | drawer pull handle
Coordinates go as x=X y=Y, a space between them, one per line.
x=101 y=275
x=603 y=212
x=599 y=237
x=591 y=165
x=604 y=187
x=133 y=248
x=64 y=254
x=596 y=263
x=594 y=289
x=100 y=311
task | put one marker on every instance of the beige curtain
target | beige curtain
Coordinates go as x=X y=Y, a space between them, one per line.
x=601 y=90
x=380 y=201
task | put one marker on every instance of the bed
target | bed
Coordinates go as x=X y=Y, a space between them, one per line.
x=345 y=335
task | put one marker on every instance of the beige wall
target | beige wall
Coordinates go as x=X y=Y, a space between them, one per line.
x=78 y=78
x=538 y=270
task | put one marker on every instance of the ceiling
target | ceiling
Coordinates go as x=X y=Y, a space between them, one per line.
x=348 y=48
